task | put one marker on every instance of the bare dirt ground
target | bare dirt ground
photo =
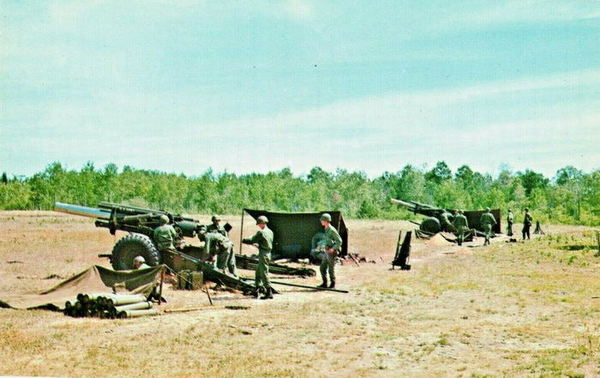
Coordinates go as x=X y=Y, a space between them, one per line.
x=509 y=309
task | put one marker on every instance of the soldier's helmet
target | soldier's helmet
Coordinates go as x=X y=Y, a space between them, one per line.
x=139 y=259
x=262 y=219
x=509 y=210
x=164 y=219
x=526 y=209
x=487 y=209
x=325 y=217
x=215 y=218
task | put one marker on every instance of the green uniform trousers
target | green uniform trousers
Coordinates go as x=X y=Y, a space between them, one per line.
x=487 y=229
x=328 y=264
x=261 y=279
x=460 y=234
x=226 y=261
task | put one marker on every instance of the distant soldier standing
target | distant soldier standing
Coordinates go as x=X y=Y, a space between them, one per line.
x=527 y=220
x=215 y=226
x=333 y=243
x=487 y=221
x=165 y=237
x=461 y=224
x=509 y=220
x=264 y=240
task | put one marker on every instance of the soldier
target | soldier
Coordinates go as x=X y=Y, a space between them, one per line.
x=139 y=262
x=461 y=224
x=509 y=221
x=165 y=238
x=527 y=220
x=487 y=221
x=222 y=247
x=333 y=244
x=264 y=239
x=215 y=226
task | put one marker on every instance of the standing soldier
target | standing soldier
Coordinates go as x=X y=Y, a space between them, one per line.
x=461 y=224
x=215 y=226
x=527 y=220
x=487 y=221
x=165 y=238
x=264 y=240
x=509 y=220
x=333 y=244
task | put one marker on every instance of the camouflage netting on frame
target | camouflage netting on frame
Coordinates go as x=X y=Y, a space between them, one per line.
x=95 y=279
x=294 y=231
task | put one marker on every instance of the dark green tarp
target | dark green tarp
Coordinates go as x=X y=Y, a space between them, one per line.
x=294 y=231
x=473 y=217
x=95 y=279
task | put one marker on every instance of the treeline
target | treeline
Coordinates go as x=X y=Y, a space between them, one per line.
x=571 y=196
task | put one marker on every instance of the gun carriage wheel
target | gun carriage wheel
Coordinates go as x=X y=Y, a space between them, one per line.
x=131 y=246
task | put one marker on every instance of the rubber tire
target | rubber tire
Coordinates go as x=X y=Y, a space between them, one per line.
x=130 y=246
x=431 y=225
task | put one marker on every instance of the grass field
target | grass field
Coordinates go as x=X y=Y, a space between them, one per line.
x=509 y=309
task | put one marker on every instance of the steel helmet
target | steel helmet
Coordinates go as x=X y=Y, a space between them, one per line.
x=326 y=217
x=164 y=219
x=262 y=219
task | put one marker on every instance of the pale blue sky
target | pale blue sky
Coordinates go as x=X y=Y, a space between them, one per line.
x=255 y=86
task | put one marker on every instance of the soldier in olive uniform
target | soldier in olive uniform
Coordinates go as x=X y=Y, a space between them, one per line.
x=509 y=221
x=264 y=240
x=461 y=225
x=165 y=238
x=222 y=247
x=527 y=221
x=215 y=226
x=487 y=221
x=333 y=245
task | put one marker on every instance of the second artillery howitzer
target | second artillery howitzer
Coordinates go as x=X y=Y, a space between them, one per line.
x=438 y=219
x=141 y=223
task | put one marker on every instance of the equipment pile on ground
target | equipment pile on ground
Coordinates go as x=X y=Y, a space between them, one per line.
x=109 y=306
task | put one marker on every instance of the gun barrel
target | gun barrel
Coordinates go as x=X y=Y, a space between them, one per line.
x=403 y=203
x=89 y=212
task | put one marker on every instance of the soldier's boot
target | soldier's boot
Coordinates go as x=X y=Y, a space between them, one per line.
x=268 y=294
x=257 y=292
x=324 y=284
x=332 y=285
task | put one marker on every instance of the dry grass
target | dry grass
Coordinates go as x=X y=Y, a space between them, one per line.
x=511 y=309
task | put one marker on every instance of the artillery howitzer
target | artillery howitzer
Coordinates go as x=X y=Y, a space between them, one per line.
x=141 y=222
x=438 y=219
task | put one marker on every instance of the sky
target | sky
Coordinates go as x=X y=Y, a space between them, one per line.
x=258 y=86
